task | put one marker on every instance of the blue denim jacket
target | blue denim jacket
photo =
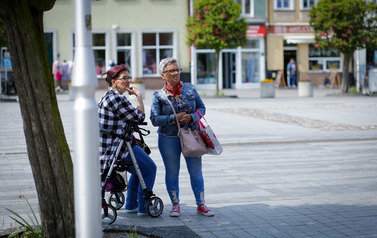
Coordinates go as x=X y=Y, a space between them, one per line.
x=162 y=114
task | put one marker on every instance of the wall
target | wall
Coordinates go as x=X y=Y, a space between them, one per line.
x=275 y=53
x=303 y=60
x=127 y=15
x=61 y=18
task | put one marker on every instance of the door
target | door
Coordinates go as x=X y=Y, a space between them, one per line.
x=288 y=55
x=50 y=47
x=229 y=69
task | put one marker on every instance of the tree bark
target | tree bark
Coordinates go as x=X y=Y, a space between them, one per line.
x=47 y=147
x=345 y=78
x=217 y=72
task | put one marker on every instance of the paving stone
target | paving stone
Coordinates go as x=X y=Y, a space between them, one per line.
x=290 y=168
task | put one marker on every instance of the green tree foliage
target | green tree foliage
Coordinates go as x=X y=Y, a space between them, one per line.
x=347 y=25
x=216 y=24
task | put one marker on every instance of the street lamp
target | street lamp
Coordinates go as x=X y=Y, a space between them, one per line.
x=86 y=128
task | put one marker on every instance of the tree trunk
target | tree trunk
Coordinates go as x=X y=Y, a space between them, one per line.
x=345 y=78
x=47 y=147
x=217 y=72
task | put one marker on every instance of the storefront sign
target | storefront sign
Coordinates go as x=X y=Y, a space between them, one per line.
x=256 y=31
x=290 y=29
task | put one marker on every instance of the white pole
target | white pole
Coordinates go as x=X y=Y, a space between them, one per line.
x=86 y=129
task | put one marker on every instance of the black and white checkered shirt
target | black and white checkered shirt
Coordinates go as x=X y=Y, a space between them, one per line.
x=114 y=110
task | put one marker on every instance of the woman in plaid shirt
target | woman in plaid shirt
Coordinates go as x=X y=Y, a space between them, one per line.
x=114 y=111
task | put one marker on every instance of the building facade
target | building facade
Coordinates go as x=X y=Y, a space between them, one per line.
x=140 y=33
x=289 y=35
x=137 y=33
x=242 y=67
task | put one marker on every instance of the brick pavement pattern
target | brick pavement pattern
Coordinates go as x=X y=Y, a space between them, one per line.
x=291 y=167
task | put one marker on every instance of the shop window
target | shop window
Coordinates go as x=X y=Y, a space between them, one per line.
x=284 y=4
x=250 y=67
x=124 y=49
x=324 y=59
x=99 y=51
x=251 y=61
x=155 y=47
x=307 y=4
x=247 y=7
x=252 y=44
x=206 y=67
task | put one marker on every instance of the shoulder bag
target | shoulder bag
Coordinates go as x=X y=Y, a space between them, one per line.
x=192 y=143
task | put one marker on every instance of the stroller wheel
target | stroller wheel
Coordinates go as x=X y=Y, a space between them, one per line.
x=116 y=199
x=154 y=207
x=109 y=214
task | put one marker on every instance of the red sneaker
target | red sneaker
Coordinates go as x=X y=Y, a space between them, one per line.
x=203 y=210
x=175 y=211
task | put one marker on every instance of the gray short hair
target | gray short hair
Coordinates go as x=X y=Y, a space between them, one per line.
x=165 y=62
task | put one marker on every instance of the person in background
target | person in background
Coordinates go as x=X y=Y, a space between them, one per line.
x=291 y=73
x=115 y=111
x=186 y=101
x=57 y=70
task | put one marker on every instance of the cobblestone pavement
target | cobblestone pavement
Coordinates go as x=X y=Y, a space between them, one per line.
x=291 y=167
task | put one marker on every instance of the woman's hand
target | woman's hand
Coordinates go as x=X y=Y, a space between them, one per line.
x=133 y=91
x=184 y=118
x=139 y=97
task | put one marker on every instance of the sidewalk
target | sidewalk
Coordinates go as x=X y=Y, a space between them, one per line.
x=291 y=167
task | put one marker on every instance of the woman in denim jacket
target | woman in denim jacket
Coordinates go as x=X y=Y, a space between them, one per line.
x=186 y=101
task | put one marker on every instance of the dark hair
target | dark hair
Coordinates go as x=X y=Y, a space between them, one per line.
x=114 y=72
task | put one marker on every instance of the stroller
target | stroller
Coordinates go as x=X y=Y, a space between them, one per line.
x=113 y=181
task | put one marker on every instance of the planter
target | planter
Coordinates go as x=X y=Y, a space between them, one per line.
x=305 y=89
x=267 y=90
x=70 y=92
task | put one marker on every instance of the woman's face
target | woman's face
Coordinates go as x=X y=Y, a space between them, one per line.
x=172 y=77
x=122 y=82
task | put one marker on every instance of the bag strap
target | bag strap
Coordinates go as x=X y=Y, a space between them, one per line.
x=179 y=128
x=199 y=117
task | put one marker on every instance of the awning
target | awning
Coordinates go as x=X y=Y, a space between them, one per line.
x=300 y=39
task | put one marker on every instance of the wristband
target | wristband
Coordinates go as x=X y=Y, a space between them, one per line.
x=138 y=94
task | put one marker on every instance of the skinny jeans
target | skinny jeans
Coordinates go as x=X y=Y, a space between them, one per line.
x=135 y=193
x=170 y=149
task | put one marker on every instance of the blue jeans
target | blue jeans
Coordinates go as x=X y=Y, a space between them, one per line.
x=135 y=194
x=293 y=80
x=170 y=149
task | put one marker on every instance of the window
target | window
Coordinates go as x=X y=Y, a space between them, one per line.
x=284 y=4
x=324 y=59
x=155 y=47
x=99 y=51
x=247 y=7
x=251 y=58
x=206 y=67
x=307 y=4
x=124 y=49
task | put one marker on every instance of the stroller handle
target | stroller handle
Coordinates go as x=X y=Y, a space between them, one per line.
x=130 y=126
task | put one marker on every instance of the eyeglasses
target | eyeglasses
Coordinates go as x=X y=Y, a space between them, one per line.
x=172 y=71
x=125 y=78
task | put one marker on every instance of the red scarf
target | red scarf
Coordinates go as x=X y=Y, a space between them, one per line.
x=175 y=91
